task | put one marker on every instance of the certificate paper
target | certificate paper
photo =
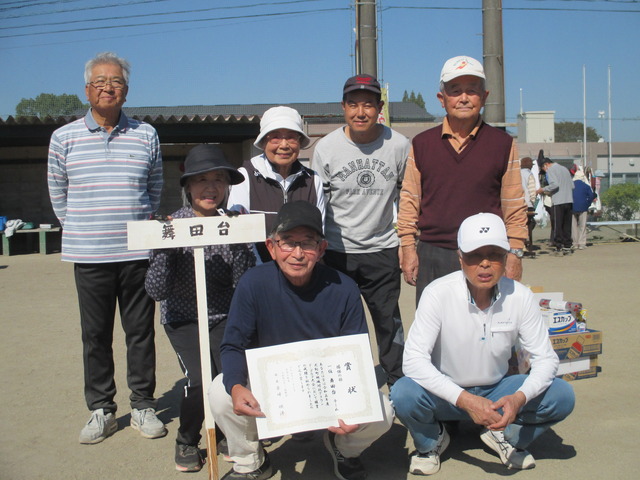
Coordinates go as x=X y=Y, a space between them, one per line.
x=309 y=385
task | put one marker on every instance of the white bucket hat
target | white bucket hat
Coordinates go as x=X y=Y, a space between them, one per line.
x=481 y=230
x=458 y=66
x=281 y=117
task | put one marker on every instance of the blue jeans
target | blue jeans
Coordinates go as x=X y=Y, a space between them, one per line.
x=420 y=411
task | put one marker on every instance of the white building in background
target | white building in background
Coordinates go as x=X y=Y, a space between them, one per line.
x=536 y=127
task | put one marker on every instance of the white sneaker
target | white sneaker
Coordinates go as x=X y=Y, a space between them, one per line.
x=509 y=455
x=146 y=422
x=429 y=463
x=100 y=426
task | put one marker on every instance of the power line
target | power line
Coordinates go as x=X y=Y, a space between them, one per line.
x=146 y=15
x=32 y=4
x=241 y=21
x=607 y=1
x=198 y=20
x=141 y=2
x=524 y=9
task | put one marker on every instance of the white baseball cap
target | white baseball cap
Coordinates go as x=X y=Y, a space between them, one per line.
x=458 y=66
x=481 y=230
x=281 y=117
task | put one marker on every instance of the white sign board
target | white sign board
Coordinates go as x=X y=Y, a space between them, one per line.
x=198 y=232
x=195 y=232
x=309 y=385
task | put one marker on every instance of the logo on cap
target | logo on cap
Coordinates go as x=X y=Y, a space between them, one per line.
x=484 y=230
x=463 y=64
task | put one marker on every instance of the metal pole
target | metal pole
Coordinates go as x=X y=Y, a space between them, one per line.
x=521 y=111
x=584 y=114
x=493 y=50
x=366 y=37
x=610 y=139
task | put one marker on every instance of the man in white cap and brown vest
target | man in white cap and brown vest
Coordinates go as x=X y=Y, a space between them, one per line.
x=457 y=169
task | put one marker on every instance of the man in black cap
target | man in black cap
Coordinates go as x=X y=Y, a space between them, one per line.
x=362 y=166
x=293 y=298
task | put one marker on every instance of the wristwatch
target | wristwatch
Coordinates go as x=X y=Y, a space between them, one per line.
x=518 y=252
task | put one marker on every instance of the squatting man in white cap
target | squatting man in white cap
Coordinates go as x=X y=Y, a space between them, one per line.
x=457 y=353
x=458 y=169
x=276 y=176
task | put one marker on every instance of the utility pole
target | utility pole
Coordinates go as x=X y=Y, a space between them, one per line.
x=610 y=163
x=493 y=51
x=366 y=38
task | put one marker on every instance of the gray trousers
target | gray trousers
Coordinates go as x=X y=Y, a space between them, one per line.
x=433 y=263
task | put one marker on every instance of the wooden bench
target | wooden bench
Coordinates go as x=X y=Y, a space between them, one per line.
x=615 y=225
x=43 y=237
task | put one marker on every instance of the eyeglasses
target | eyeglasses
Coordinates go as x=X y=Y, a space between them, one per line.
x=478 y=258
x=290 y=246
x=116 y=83
x=276 y=138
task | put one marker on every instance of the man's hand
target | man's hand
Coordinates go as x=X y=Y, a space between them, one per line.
x=480 y=409
x=244 y=403
x=409 y=264
x=343 y=429
x=514 y=267
x=510 y=405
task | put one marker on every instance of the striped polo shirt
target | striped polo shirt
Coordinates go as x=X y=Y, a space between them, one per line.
x=98 y=181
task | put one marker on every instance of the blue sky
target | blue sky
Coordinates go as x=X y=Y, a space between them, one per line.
x=270 y=51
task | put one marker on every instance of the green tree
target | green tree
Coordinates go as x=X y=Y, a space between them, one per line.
x=621 y=201
x=49 y=104
x=413 y=98
x=573 y=132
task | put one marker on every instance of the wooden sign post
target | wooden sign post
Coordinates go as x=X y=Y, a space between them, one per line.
x=198 y=232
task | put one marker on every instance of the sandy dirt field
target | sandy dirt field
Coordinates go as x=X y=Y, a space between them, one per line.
x=44 y=410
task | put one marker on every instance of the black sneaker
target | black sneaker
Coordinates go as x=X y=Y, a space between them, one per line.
x=265 y=471
x=188 y=458
x=344 y=468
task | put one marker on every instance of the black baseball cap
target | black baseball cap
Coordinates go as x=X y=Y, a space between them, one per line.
x=362 y=82
x=298 y=214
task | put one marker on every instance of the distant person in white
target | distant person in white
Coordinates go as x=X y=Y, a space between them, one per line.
x=457 y=353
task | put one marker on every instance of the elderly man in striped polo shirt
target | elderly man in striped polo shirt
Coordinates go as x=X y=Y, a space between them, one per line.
x=104 y=170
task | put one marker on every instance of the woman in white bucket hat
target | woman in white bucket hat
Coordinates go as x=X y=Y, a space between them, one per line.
x=276 y=176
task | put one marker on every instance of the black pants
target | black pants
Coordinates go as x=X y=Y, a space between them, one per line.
x=378 y=276
x=561 y=215
x=100 y=286
x=434 y=262
x=185 y=342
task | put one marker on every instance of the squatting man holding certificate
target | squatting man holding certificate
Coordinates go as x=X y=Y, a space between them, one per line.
x=457 y=352
x=292 y=299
